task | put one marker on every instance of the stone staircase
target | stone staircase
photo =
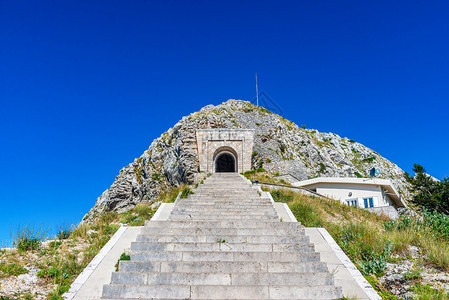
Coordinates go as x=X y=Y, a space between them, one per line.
x=224 y=241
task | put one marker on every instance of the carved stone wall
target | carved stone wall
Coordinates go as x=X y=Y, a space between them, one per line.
x=237 y=142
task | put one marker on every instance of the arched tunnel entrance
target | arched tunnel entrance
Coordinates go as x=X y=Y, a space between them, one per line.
x=225 y=162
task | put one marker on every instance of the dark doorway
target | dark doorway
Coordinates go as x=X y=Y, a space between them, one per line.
x=225 y=162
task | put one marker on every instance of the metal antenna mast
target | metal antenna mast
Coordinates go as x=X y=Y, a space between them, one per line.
x=257 y=92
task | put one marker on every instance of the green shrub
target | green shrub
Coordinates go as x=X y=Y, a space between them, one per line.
x=51 y=272
x=124 y=256
x=186 y=191
x=27 y=239
x=250 y=172
x=369 y=159
x=424 y=292
x=414 y=274
x=364 y=244
x=322 y=167
x=282 y=196
x=358 y=175
x=64 y=233
x=12 y=269
x=55 y=244
x=437 y=222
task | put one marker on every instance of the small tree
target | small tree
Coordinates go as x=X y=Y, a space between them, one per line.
x=428 y=193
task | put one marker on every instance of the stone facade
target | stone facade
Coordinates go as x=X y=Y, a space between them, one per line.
x=213 y=142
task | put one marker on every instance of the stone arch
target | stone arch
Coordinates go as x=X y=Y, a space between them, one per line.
x=225 y=160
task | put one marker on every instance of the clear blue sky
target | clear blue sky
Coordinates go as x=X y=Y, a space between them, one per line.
x=85 y=86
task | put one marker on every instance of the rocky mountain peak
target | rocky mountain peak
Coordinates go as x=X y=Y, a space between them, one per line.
x=280 y=146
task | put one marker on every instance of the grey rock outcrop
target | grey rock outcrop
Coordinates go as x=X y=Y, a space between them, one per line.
x=280 y=146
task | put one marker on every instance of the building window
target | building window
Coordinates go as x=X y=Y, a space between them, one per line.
x=368 y=202
x=352 y=202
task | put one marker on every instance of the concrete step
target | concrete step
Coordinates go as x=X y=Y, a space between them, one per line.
x=220 y=246
x=206 y=217
x=221 y=278
x=224 y=256
x=120 y=291
x=247 y=224
x=219 y=205
x=221 y=266
x=288 y=232
x=220 y=238
x=223 y=213
x=206 y=208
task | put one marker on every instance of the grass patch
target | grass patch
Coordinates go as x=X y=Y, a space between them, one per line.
x=7 y=269
x=186 y=191
x=26 y=238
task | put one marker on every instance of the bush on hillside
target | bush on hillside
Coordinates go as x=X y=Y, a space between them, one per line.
x=26 y=238
x=429 y=193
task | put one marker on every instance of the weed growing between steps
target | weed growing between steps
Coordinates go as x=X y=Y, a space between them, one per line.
x=399 y=258
x=123 y=256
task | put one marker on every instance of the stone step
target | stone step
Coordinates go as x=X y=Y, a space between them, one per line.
x=221 y=266
x=224 y=256
x=247 y=224
x=224 y=208
x=220 y=200
x=287 y=232
x=206 y=217
x=224 y=212
x=237 y=205
x=220 y=246
x=228 y=239
x=220 y=278
x=121 y=291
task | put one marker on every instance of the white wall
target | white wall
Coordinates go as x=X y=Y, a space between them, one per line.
x=341 y=192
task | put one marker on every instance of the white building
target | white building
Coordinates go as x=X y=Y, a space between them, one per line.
x=361 y=192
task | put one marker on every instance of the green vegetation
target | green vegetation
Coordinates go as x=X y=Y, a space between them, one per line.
x=322 y=167
x=186 y=191
x=425 y=292
x=428 y=193
x=358 y=175
x=7 y=269
x=155 y=177
x=123 y=256
x=139 y=174
x=371 y=240
x=263 y=176
x=137 y=215
x=64 y=232
x=26 y=238
x=170 y=195
x=369 y=159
